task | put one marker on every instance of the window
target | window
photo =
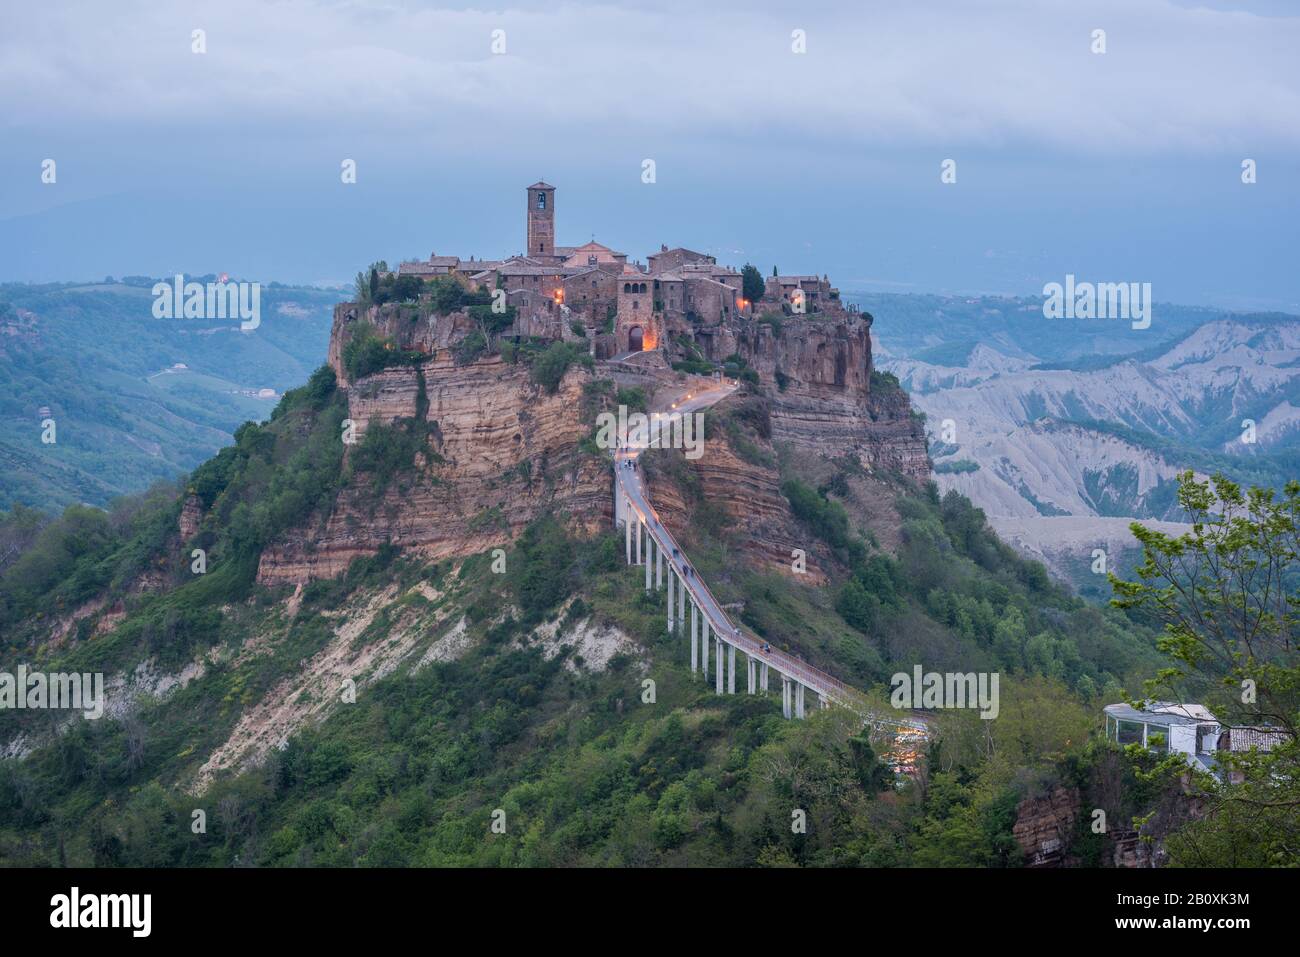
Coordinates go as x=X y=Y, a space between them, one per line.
x=541 y=200
x=1207 y=738
x=1130 y=732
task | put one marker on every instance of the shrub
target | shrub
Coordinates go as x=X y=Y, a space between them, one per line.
x=447 y=294
x=826 y=518
x=470 y=348
x=549 y=367
x=368 y=352
x=956 y=467
x=494 y=323
x=388 y=449
x=773 y=319
x=884 y=382
x=634 y=398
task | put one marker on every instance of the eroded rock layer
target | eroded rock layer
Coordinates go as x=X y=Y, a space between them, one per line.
x=497 y=452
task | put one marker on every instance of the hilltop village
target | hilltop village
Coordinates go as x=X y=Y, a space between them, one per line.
x=624 y=307
x=494 y=370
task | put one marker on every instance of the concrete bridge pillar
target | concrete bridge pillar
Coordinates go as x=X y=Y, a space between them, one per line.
x=762 y=677
x=731 y=669
x=681 y=602
x=705 y=646
x=749 y=674
x=638 y=540
x=695 y=634
x=659 y=567
x=717 y=678
x=798 y=700
x=627 y=532
x=670 y=600
x=785 y=696
x=649 y=547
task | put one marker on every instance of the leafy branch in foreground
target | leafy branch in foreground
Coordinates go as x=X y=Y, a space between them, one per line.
x=1225 y=593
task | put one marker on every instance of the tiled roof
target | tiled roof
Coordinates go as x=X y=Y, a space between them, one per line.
x=516 y=269
x=586 y=272
x=681 y=249
x=419 y=269
x=1266 y=739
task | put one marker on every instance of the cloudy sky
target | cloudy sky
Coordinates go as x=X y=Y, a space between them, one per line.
x=1122 y=166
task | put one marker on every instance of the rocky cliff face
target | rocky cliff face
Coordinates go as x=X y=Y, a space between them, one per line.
x=499 y=451
x=755 y=513
x=818 y=371
x=1045 y=825
x=409 y=326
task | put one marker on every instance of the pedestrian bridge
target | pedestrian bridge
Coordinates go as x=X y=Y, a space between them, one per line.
x=715 y=639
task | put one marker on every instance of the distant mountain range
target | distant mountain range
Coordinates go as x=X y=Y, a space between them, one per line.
x=134 y=398
x=1064 y=447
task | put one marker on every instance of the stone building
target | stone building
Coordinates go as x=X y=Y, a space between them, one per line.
x=435 y=265
x=526 y=273
x=668 y=259
x=637 y=326
x=679 y=292
x=815 y=293
x=591 y=294
x=591 y=254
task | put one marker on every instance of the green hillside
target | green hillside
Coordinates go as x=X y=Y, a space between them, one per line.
x=581 y=763
x=95 y=360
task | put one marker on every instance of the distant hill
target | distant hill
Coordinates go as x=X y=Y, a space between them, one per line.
x=1062 y=447
x=134 y=398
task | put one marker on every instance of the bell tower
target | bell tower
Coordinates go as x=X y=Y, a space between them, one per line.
x=541 y=220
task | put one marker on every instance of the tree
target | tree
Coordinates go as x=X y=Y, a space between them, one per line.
x=549 y=366
x=751 y=283
x=1226 y=594
x=448 y=294
x=407 y=288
